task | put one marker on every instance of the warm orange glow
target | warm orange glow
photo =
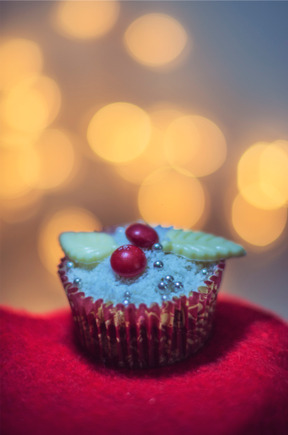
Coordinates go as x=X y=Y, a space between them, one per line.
x=119 y=132
x=56 y=155
x=153 y=156
x=19 y=59
x=258 y=227
x=283 y=144
x=21 y=208
x=16 y=139
x=151 y=159
x=168 y=197
x=195 y=145
x=163 y=114
x=19 y=171
x=67 y=219
x=85 y=19
x=263 y=175
x=32 y=104
x=273 y=172
x=155 y=40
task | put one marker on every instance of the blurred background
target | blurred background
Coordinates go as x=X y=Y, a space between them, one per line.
x=171 y=112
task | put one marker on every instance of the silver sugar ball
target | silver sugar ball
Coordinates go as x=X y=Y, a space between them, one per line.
x=157 y=247
x=164 y=298
x=77 y=281
x=178 y=285
x=127 y=294
x=162 y=285
x=126 y=302
x=69 y=264
x=169 y=278
x=158 y=264
x=204 y=271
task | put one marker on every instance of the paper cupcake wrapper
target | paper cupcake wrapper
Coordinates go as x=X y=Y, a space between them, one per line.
x=139 y=337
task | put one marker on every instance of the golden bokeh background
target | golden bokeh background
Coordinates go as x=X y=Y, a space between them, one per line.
x=115 y=111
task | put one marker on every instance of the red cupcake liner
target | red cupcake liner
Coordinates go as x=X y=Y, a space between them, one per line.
x=139 y=337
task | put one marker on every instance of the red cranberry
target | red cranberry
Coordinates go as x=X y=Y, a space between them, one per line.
x=128 y=261
x=141 y=235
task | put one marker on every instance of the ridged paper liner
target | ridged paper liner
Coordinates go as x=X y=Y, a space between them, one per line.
x=152 y=336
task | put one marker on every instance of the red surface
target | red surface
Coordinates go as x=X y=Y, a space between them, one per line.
x=237 y=384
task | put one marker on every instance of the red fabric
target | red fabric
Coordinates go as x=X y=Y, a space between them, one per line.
x=237 y=384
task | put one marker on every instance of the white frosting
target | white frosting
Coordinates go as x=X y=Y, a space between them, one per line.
x=103 y=283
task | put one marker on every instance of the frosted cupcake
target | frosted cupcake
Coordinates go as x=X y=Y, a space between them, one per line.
x=143 y=296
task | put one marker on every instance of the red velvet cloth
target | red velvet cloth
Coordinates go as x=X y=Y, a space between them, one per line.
x=237 y=384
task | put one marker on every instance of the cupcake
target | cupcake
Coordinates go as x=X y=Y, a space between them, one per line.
x=143 y=296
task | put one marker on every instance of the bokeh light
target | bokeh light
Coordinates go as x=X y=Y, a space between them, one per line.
x=128 y=137
x=32 y=104
x=85 y=19
x=21 y=208
x=155 y=39
x=19 y=171
x=257 y=226
x=19 y=59
x=283 y=144
x=171 y=198
x=163 y=114
x=56 y=157
x=66 y=219
x=152 y=158
x=273 y=171
x=195 y=145
x=263 y=175
x=10 y=138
